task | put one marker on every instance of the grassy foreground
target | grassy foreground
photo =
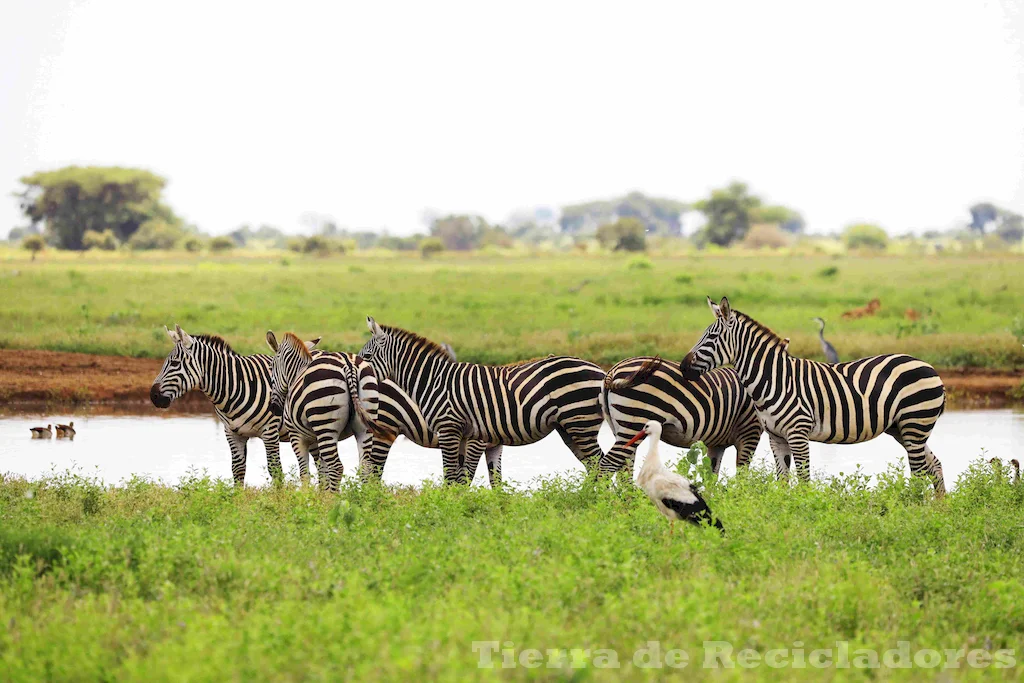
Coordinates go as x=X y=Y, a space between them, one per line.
x=494 y=309
x=203 y=582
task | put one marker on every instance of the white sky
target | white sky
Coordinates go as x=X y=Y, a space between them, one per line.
x=900 y=112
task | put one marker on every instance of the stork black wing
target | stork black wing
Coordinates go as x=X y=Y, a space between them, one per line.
x=696 y=512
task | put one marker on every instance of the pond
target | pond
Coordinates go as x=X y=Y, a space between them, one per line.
x=168 y=446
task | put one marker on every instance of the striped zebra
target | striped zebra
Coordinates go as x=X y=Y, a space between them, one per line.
x=714 y=409
x=397 y=413
x=469 y=406
x=237 y=386
x=318 y=395
x=802 y=400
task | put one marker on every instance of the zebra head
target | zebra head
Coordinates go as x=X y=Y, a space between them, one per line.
x=376 y=349
x=291 y=357
x=718 y=345
x=180 y=373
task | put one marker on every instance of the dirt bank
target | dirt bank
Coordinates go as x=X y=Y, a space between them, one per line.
x=39 y=377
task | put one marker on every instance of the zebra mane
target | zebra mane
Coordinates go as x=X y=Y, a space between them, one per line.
x=416 y=339
x=759 y=326
x=297 y=344
x=216 y=342
x=517 y=363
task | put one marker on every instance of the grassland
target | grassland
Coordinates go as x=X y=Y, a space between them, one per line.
x=494 y=309
x=205 y=582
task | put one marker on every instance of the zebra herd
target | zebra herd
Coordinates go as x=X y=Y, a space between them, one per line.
x=400 y=383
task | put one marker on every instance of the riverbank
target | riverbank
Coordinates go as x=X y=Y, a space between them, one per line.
x=39 y=378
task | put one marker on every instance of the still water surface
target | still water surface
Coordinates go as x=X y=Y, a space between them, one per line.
x=168 y=447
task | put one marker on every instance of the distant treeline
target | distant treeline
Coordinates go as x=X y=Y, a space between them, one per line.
x=79 y=208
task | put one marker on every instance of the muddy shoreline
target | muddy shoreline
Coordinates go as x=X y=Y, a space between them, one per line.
x=41 y=379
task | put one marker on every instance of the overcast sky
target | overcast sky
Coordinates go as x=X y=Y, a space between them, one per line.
x=903 y=112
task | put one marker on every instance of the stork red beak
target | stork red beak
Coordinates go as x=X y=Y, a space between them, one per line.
x=635 y=439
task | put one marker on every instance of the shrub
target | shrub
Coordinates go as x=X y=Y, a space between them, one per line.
x=430 y=246
x=34 y=243
x=829 y=272
x=106 y=240
x=765 y=235
x=155 y=234
x=317 y=244
x=222 y=243
x=639 y=263
x=625 y=234
x=865 y=236
x=192 y=244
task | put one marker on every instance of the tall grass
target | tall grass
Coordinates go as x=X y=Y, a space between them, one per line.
x=499 y=310
x=202 y=581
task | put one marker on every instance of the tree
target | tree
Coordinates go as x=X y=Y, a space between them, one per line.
x=99 y=240
x=34 y=243
x=430 y=246
x=74 y=199
x=625 y=234
x=1011 y=227
x=459 y=232
x=768 y=235
x=659 y=216
x=981 y=215
x=787 y=219
x=865 y=236
x=728 y=213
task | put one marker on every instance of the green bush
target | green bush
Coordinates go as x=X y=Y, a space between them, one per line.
x=639 y=263
x=430 y=246
x=34 y=243
x=865 y=236
x=222 y=243
x=192 y=244
x=155 y=234
x=93 y=239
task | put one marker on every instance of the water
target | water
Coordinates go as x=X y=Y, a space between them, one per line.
x=168 y=446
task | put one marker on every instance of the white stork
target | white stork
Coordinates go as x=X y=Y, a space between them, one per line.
x=671 y=494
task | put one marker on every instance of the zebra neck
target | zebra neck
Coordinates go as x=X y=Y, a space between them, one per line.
x=763 y=366
x=221 y=373
x=420 y=380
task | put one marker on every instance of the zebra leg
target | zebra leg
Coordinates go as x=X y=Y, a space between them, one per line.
x=620 y=457
x=473 y=450
x=717 y=454
x=331 y=468
x=238 y=445
x=745 y=449
x=376 y=452
x=582 y=441
x=272 y=443
x=935 y=472
x=450 y=441
x=782 y=453
x=493 y=456
x=302 y=455
x=801 y=449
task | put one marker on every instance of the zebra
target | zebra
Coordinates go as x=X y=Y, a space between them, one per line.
x=397 y=413
x=237 y=386
x=714 y=409
x=470 y=406
x=801 y=400
x=313 y=393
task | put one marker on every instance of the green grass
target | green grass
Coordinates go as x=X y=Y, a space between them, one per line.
x=495 y=310
x=204 y=582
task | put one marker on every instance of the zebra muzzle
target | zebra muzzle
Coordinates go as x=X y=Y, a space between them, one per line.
x=158 y=399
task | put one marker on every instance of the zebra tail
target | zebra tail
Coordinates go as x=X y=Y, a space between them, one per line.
x=641 y=375
x=370 y=420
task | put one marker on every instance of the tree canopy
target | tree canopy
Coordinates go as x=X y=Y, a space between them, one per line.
x=625 y=234
x=75 y=199
x=659 y=216
x=728 y=212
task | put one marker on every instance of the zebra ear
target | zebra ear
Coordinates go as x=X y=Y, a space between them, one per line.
x=311 y=344
x=185 y=337
x=785 y=344
x=714 y=308
x=272 y=341
x=374 y=327
x=725 y=310
x=173 y=335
